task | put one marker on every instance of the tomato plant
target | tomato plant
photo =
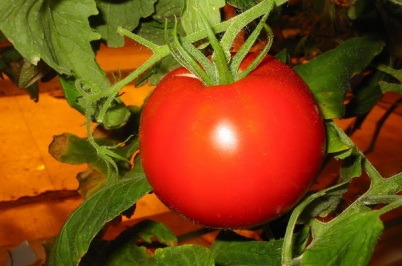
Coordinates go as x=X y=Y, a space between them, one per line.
x=230 y=135
x=218 y=155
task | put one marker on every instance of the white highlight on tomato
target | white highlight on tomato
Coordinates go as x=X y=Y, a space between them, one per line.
x=225 y=137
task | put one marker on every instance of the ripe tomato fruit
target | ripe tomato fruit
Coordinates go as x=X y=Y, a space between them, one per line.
x=235 y=155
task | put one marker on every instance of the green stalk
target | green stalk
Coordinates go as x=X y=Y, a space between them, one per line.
x=391 y=206
x=287 y=247
x=383 y=187
x=260 y=56
x=244 y=50
x=159 y=52
x=186 y=59
x=202 y=59
x=236 y=25
x=220 y=59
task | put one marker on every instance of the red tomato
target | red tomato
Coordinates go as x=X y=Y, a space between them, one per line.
x=236 y=155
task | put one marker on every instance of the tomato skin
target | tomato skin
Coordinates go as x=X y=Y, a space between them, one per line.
x=236 y=155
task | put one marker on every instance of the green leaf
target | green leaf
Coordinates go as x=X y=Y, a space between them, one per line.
x=117 y=115
x=160 y=69
x=130 y=255
x=10 y=63
x=236 y=253
x=191 y=20
x=397 y=2
x=328 y=75
x=186 y=255
x=126 y=14
x=337 y=141
x=152 y=31
x=30 y=73
x=247 y=4
x=343 y=148
x=165 y=12
x=57 y=32
x=352 y=165
x=326 y=203
x=300 y=240
x=148 y=229
x=365 y=96
x=280 y=2
x=283 y=56
x=124 y=249
x=396 y=73
x=394 y=6
x=91 y=179
x=387 y=87
x=89 y=218
x=21 y=72
x=68 y=148
x=347 y=242
x=33 y=91
x=72 y=95
x=243 y=4
x=71 y=149
x=2 y=37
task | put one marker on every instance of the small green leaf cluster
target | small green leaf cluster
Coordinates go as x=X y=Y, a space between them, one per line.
x=223 y=68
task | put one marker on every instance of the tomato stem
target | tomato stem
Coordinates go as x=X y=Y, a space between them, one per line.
x=242 y=20
x=260 y=56
x=185 y=58
x=244 y=50
x=219 y=57
x=223 y=69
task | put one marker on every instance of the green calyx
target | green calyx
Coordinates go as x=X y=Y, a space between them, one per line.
x=221 y=67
